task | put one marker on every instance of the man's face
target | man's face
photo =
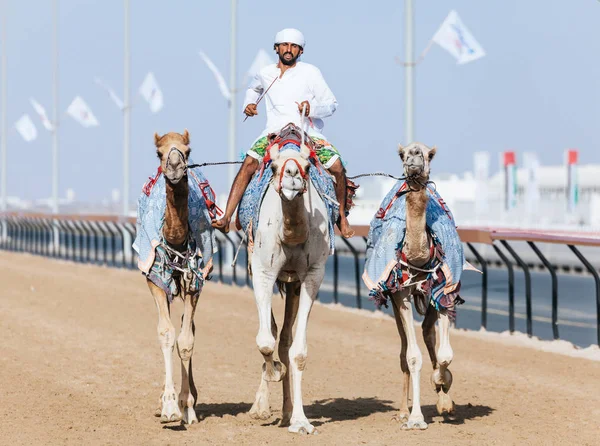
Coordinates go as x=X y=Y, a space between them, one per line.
x=288 y=52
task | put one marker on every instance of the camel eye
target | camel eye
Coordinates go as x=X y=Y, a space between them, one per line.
x=159 y=155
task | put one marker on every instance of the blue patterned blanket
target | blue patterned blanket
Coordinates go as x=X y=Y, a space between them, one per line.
x=150 y=219
x=249 y=207
x=383 y=273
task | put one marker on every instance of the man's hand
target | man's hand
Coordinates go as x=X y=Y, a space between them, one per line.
x=222 y=224
x=250 y=110
x=302 y=104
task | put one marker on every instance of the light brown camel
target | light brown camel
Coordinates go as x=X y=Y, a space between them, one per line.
x=416 y=158
x=173 y=151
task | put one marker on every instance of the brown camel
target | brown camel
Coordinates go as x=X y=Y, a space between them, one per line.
x=173 y=151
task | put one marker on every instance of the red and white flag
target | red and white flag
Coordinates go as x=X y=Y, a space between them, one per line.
x=26 y=128
x=42 y=114
x=80 y=112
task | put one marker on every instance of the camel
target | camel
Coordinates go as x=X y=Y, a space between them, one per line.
x=173 y=151
x=416 y=159
x=291 y=245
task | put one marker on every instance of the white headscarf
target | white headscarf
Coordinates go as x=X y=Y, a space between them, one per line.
x=290 y=35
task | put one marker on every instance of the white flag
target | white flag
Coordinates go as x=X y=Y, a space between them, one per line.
x=26 y=128
x=152 y=93
x=455 y=38
x=261 y=60
x=215 y=71
x=116 y=99
x=80 y=112
x=42 y=114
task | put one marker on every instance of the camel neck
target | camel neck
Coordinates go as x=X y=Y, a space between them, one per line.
x=295 y=221
x=176 y=215
x=416 y=243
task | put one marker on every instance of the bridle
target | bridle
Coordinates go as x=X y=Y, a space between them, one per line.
x=416 y=178
x=181 y=156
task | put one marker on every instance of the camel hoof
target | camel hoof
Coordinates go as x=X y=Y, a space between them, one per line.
x=170 y=411
x=402 y=417
x=445 y=406
x=302 y=427
x=189 y=416
x=285 y=420
x=259 y=415
x=276 y=373
x=414 y=425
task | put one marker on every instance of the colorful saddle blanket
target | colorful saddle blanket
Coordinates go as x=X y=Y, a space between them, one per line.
x=249 y=207
x=384 y=273
x=154 y=261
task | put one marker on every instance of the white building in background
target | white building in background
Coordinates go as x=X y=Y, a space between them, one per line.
x=539 y=204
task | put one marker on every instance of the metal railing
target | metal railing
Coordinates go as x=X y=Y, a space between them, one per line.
x=106 y=240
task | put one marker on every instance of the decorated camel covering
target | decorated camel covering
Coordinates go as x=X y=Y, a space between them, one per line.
x=249 y=207
x=149 y=243
x=385 y=267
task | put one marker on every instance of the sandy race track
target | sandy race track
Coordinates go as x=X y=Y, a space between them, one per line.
x=80 y=364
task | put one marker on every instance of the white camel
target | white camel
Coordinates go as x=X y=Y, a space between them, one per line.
x=291 y=245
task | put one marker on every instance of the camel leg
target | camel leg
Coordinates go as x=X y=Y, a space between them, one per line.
x=166 y=336
x=413 y=358
x=442 y=377
x=404 y=412
x=263 y=281
x=292 y=299
x=298 y=351
x=185 y=347
x=261 y=409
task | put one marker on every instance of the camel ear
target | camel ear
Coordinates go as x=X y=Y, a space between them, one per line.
x=186 y=137
x=304 y=151
x=274 y=152
x=157 y=138
x=401 y=151
x=432 y=152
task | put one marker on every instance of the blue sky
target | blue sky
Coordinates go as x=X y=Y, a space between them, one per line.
x=538 y=88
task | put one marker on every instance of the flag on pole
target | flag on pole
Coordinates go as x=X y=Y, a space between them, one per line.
x=26 y=128
x=42 y=114
x=116 y=99
x=80 y=112
x=455 y=38
x=510 y=180
x=572 y=158
x=261 y=60
x=218 y=76
x=151 y=92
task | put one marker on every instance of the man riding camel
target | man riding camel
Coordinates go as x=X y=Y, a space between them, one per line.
x=289 y=87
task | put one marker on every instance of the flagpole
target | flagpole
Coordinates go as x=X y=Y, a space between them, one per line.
x=55 y=123
x=126 y=113
x=409 y=85
x=3 y=205
x=232 y=89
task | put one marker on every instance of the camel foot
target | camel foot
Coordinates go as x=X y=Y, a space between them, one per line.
x=274 y=373
x=445 y=406
x=285 y=419
x=260 y=410
x=401 y=417
x=170 y=408
x=418 y=424
x=189 y=415
x=302 y=427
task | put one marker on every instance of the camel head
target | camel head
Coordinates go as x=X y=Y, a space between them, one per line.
x=173 y=151
x=290 y=171
x=416 y=158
